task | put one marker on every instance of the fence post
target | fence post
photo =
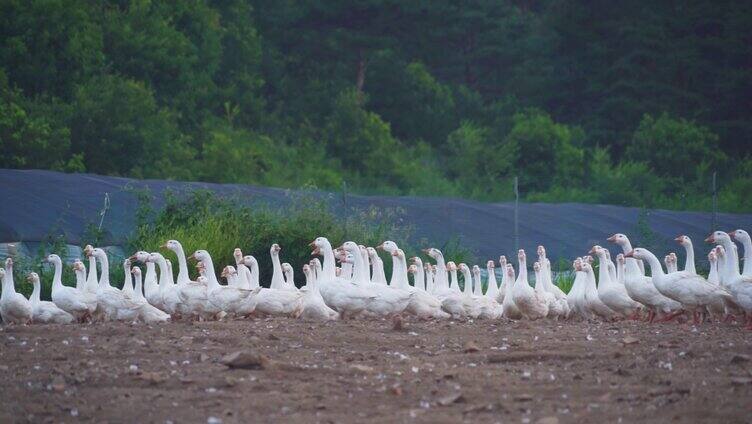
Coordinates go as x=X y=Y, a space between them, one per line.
x=516 y=215
x=713 y=222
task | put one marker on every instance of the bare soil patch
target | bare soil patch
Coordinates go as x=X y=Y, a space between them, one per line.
x=365 y=371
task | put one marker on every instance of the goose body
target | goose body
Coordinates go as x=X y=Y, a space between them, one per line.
x=78 y=303
x=639 y=287
x=593 y=302
x=111 y=302
x=451 y=301
x=531 y=304
x=339 y=294
x=508 y=306
x=611 y=293
x=43 y=311
x=312 y=304
x=691 y=290
x=147 y=313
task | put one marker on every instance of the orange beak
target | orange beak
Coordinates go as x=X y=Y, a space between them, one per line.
x=710 y=239
x=629 y=254
x=612 y=238
x=731 y=234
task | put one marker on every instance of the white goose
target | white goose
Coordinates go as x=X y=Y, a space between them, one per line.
x=80 y=277
x=641 y=289
x=506 y=284
x=422 y=304
x=742 y=237
x=530 y=303
x=686 y=243
x=388 y=300
x=740 y=286
x=252 y=266
x=92 y=282
x=314 y=307
x=147 y=313
x=289 y=274
x=489 y=308
x=593 y=302
x=127 y=287
x=428 y=272
x=492 y=290
x=472 y=308
x=340 y=294
x=576 y=295
x=225 y=298
x=244 y=274
x=555 y=309
x=718 y=310
x=611 y=293
x=419 y=274
x=691 y=290
x=43 y=311
x=278 y=279
x=80 y=304
x=152 y=291
x=451 y=301
x=112 y=303
x=169 y=292
x=510 y=310
x=194 y=300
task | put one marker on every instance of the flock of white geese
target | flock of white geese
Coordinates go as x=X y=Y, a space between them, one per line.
x=359 y=287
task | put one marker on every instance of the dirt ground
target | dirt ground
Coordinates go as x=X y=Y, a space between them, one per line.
x=366 y=371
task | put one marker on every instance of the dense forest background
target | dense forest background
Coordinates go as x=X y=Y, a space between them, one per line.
x=627 y=102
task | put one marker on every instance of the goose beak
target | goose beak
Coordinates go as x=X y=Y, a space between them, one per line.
x=678 y=239
x=612 y=238
x=395 y=253
x=381 y=246
x=312 y=244
x=592 y=250
x=629 y=254
x=710 y=239
x=731 y=234
x=425 y=251
x=164 y=246
x=192 y=256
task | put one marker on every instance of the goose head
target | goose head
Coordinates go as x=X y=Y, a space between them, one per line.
x=274 y=250
x=683 y=240
x=154 y=257
x=739 y=235
x=463 y=268
x=587 y=259
x=720 y=251
x=521 y=256
x=286 y=267
x=172 y=245
x=371 y=252
x=672 y=256
x=503 y=261
x=318 y=244
x=32 y=278
x=98 y=253
x=587 y=268
x=510 y=272
x=53 y=259
x=2 y=273
x=202 y=280
x=200 y=255
x=619 y=239
x=718 y=237
x=536 y=266
x=399 y=253
x=541 y=251
x=711 y=256
x=78 y=265
x=637 y=253
x=140 y=256
x=250 y=261
x=476 y=271
x=620 y=258
x=434 y=253
x=350 y=247
x=388 y=246
x=490 y=265
x=451 y=266
x=417 y=261
x=412 y=269
x=577 y=264
x=228 y=271
x=595 y=250
x=88 y=249
x=136 y=271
